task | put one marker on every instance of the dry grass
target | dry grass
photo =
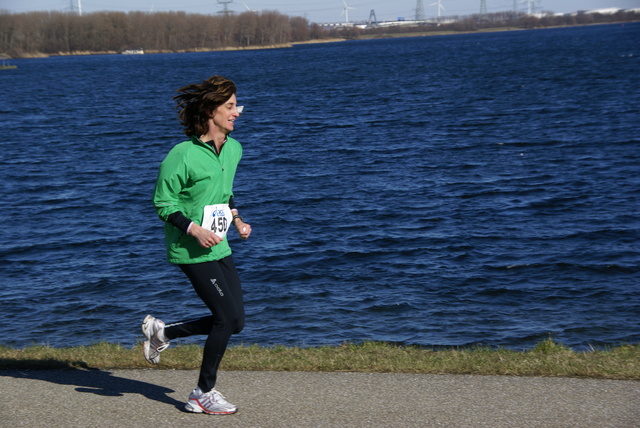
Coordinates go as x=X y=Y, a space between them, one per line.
x=547 y=359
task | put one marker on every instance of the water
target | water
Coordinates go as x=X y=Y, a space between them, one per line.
x=452 y=190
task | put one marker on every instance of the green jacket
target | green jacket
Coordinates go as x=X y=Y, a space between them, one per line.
x=191 y=177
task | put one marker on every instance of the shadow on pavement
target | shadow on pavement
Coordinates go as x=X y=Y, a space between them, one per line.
x=96 y=381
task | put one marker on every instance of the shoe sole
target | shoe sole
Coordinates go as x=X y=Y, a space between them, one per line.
x=146 y=351
x=146 y=330
x=197 y=409
x=146 y=326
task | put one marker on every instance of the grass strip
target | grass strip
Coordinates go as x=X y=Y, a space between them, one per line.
x=548 y=359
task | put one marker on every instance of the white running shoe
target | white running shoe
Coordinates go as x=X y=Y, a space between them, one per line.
x=153 y=330
x=212 y=403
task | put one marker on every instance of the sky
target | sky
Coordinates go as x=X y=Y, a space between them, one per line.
x=319 y=11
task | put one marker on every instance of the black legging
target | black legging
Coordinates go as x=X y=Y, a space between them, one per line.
x=218 y=285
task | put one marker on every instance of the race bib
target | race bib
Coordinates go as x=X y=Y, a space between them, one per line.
x=217 y=218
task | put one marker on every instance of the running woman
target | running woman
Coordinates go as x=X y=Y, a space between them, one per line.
x=194 y=197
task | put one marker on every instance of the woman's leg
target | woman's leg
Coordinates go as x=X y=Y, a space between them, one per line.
x=218 y=285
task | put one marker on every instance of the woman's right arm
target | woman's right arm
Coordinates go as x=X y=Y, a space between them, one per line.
x=173 y=173
x=205 y=238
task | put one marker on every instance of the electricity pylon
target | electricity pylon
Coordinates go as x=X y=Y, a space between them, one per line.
x=419 y=10
x=225 y=7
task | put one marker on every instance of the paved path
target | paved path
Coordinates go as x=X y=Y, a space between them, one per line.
x=150 y=398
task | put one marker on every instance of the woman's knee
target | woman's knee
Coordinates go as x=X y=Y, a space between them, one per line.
x=230 y=323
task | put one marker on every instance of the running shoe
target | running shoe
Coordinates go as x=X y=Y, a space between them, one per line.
x=153 y=330
x=212 y=403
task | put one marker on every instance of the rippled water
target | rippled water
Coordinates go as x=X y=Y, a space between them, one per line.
x=450 y=190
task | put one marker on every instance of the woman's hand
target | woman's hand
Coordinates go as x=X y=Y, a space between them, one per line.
x=206 y=238
x=244 y=229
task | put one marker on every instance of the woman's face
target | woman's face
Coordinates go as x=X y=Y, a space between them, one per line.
x=225 y=115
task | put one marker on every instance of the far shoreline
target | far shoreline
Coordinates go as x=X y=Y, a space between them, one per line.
x=315 y=41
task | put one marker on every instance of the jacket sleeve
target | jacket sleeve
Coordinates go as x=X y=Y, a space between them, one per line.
x=180 y=221
x=171 y=180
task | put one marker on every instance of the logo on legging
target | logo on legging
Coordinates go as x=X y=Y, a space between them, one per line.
x=215 y=284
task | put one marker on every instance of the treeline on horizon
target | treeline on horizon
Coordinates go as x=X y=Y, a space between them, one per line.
x=54 y=33
x=61 y=33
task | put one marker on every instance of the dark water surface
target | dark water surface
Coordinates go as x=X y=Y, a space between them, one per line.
x=451 y=190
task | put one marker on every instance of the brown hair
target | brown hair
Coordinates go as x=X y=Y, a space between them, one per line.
x=197 y=102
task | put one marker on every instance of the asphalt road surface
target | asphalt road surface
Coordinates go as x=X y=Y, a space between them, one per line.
x=150 y=398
